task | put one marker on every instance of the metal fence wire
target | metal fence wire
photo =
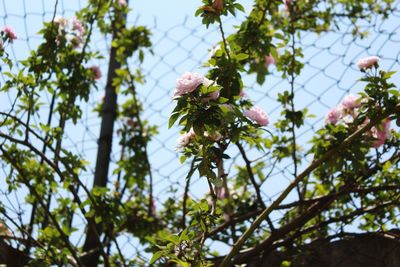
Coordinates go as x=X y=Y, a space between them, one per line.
x=328 y=75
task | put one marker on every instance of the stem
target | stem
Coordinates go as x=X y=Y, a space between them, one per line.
x=221 y=29
x=293 y=126
x=186 y=194
x=251 y=175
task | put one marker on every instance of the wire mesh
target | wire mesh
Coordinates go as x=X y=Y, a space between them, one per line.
x=328 y=75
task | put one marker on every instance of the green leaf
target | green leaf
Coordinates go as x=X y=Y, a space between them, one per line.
x=182 y=159
x=241 y=56
x=394 y=92
x=156 y=256
x=239 y=7
x=173 y=119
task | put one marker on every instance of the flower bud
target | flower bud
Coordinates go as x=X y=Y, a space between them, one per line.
x=218 y=5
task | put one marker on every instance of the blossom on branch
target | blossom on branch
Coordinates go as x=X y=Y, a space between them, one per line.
x=286 y=4
x=10 y=34
x=96 y=72
x=185 y=139
x=368 y=62
x=218 y=5
x=187 y=83
x=350 y=102
x=381 y=133
x=61 y=22
x=77 y=25
x=258 y=115
x=122 y=3
x=333 y=116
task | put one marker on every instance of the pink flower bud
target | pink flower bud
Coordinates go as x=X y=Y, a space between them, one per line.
x=185 y=139
x=96 y=72
x=122 y=3
x=218 y=5
x=10 y=34
x=258 y=115
x=131 y=122
x=286 y=4
x=381 y=134
x=367 y=62
x=269 y=60
x=333 y=116
x=242 y=94
x=77 y=25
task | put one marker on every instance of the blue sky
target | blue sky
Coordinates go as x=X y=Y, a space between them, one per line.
x=181 y=44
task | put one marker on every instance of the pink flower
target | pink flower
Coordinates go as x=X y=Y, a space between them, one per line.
x=286 y=4
x=11 y=35
x=96 y=72
x=187 y=83
x=122 y=2
x=77 y=25
x=258 y=115
x=381 y=134
x=333 y=116
x=218 y=5
x=367 y=62
x=350 y=102
x=61 y=21
x=185 y=139
x=269 y=60
x=242 y=94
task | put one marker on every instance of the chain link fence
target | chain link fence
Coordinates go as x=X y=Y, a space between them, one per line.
x=328 y=75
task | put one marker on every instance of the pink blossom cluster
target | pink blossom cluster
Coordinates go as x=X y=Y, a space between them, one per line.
x=9 y=33
x=347 y=111
x=258 y=115
x=189 y=82
x=73 y=33
x=367 y=62
x=96 y=72
x=185 y=139
x=381 y=133
x=77 y=26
